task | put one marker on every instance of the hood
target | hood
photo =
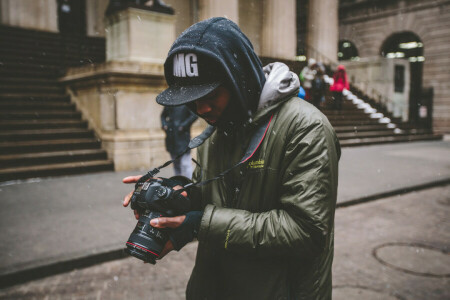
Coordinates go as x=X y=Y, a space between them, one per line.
x=280 y=83
x=341 y=68
x=221 y=40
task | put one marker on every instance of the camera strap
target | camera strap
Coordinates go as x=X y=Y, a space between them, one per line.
x=254 y=144
x=194 y=143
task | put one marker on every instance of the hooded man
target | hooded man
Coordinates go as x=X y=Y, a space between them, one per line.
x=265 y=227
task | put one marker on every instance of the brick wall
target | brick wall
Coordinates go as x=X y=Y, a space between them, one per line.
x=368 y=26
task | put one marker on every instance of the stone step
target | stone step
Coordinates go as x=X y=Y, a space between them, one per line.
x=27 y=47
x=34 y=33
x=36 y=37
x=43 y=99
x=7 y=174
x=31 y=89
x=30 y=73
x=389 y=139
x=30 y=159
x=69 y=59
x=48 y=145
x=35 y=41
x=30 y=81
x=355 y=117
x=41 y=124
x=351 y=122
x=352 y=135
x=29 y=69
x=360 y=128
x=35 y=105
x=33 y=115
x=45 y=134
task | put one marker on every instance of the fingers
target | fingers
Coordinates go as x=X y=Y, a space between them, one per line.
x=178 y=187
x=167 y=248
x=136 y=214
x=127 y=199
x=165 y=222
x=131 y=179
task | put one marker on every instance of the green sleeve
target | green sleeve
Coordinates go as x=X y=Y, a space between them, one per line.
x=304 y=222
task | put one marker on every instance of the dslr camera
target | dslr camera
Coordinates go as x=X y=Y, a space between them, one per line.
x=155 y=198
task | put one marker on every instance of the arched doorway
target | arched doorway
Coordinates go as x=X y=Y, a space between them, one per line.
x=347 y=51
x=407 y=45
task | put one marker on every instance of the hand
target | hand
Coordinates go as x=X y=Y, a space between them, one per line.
x=127 y=199
x=165 y=222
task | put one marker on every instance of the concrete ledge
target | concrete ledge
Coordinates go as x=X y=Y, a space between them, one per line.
x=58 y=266
x=393 y=193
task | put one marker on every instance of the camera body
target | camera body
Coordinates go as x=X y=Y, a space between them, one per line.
x=153 y=199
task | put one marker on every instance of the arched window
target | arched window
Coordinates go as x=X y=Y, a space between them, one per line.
x=347 y=51
x=405 y=45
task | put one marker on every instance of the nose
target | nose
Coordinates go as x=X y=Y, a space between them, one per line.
x=202 y=107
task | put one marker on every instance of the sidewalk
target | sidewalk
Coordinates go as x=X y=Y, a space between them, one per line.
x=55 y=224
x=379 y=254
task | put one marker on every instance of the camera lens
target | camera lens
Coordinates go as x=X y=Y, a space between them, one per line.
x=146 y=242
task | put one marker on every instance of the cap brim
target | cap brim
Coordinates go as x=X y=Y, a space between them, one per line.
x=178 y=95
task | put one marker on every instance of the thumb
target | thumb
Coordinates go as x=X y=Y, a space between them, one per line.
x=164 y=222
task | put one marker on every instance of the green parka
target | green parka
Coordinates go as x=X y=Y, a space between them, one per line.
x=267 y=227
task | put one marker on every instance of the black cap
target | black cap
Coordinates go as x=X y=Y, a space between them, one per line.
x=191 y=76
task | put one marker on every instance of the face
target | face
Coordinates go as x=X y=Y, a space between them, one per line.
x=212 y=106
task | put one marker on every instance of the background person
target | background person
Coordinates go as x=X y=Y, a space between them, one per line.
x=176 y=123
x=266 y=228
x=318 y=86
x=307 y=76
x=340 y=82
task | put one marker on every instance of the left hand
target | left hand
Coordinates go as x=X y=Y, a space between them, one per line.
x=167 y=222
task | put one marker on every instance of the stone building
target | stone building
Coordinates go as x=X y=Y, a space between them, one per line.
x=115 y=95
x=421 y=27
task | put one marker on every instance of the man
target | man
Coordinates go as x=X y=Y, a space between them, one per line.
x=176 y=123
x=307 y=76
x=266 y=228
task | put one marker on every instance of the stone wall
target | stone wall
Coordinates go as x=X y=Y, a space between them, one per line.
x=430 y=20
x=375 y=75
x=35 y=14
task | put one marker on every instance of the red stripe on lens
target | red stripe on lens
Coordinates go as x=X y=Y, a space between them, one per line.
x=142 y=248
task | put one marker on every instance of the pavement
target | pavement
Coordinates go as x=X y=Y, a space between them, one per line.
x=395 y=248
x=54 y=225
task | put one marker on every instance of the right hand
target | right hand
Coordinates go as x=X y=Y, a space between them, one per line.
x=127 y=199
x=134 y=179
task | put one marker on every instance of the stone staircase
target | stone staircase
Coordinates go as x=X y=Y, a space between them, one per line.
x=41 y=131
x=358 y=123
x=361 y=121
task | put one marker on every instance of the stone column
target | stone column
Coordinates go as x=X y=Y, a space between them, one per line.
x=36 y=14
x=219 y=8
x=139 y=35
x=95 y=12
x=323 y=30
x=279 y=33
